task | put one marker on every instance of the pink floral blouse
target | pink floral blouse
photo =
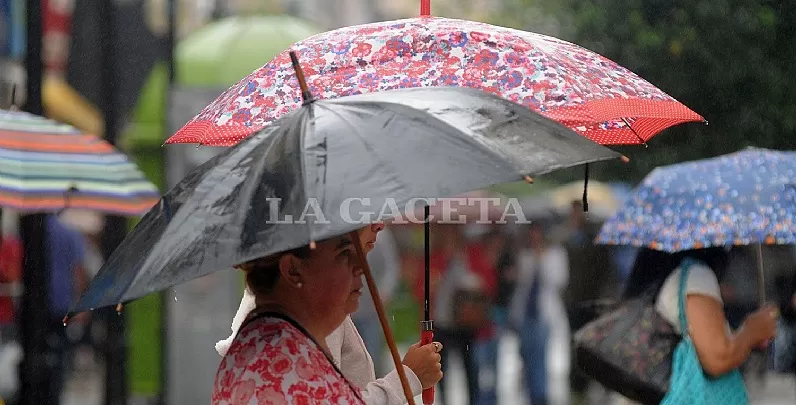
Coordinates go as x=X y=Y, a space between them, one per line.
x=273 y=361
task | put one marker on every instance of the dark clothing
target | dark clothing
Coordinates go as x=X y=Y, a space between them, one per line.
x=505 y=286
x=787 y=288
x=462 y=342
x=66 y=250
x=591 y=275
x=60 y=353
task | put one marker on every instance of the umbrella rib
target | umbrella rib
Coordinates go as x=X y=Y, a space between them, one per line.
x=303 y=163
x=630 y=127
x=171 y=225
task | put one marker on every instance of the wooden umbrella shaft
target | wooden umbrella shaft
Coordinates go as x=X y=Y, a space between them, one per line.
x=385 y=326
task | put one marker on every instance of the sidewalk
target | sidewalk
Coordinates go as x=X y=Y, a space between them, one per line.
x=87 y=383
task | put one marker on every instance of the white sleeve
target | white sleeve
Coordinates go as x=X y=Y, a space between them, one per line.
x=702 y=281
x=388 y=390
x=335 y=343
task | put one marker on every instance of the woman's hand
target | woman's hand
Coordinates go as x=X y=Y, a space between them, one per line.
x=424 y=361
x=762 y=324
x=718 y=351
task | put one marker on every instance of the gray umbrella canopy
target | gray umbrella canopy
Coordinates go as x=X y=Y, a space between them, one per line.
x=293 y=182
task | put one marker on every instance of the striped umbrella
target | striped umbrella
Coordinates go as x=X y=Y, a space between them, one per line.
x=47 y=166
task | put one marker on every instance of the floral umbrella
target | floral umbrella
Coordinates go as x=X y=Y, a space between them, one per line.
x=744 y=198
x=577 y=87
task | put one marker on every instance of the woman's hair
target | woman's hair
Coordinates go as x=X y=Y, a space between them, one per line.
x=650 y=268
x=717 y=258
x=263 y=273
x=653 y=266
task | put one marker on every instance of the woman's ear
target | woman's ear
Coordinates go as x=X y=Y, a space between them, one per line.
x=290 y=269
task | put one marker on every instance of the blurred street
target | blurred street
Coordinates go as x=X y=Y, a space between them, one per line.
x=85 y=387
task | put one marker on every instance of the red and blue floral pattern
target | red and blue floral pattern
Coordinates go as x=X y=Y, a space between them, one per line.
x=565 y=82
x=272 y=362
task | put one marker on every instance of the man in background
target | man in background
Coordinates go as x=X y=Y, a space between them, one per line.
x=592 y=277
x=66 y=251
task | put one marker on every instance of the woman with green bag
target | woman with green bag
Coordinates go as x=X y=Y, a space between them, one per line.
x=705 y=363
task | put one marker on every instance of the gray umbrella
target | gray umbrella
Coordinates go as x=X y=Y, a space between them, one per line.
x=389 y=147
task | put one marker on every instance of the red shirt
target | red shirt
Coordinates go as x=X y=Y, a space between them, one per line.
x=477 y=262
x=10 y=272
x=486 y=272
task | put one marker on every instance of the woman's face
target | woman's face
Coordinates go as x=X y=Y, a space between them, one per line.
x=367 y=235
x=332 y=280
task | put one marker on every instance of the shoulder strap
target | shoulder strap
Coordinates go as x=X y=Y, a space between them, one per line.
x=681 y=296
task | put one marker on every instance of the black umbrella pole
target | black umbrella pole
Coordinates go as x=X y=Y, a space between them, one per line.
x=171 y=42
x=114 y=231
x=34 y=320
x=427 y=326
x=385 y=326
x=35 y=323
x=427 y=265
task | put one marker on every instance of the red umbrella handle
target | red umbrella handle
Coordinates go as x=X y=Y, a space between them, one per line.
x=427 y=337
x=425 y=8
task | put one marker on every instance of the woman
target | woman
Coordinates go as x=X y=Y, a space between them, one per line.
x=719 y=350
x=347 y=351
x=538 y=311
x=421 y=364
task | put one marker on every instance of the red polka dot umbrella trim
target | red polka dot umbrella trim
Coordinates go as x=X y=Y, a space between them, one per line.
x=577 y=87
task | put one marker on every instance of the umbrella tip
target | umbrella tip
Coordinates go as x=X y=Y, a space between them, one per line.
x=528 y=179
x=305 y=91
x=624 y=159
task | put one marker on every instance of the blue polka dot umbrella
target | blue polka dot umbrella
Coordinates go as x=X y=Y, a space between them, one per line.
x=744 y=198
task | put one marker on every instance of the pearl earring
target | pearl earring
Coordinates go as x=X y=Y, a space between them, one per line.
x=298 y=285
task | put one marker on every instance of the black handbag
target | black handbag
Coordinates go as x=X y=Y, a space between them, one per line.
x=629 y=350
